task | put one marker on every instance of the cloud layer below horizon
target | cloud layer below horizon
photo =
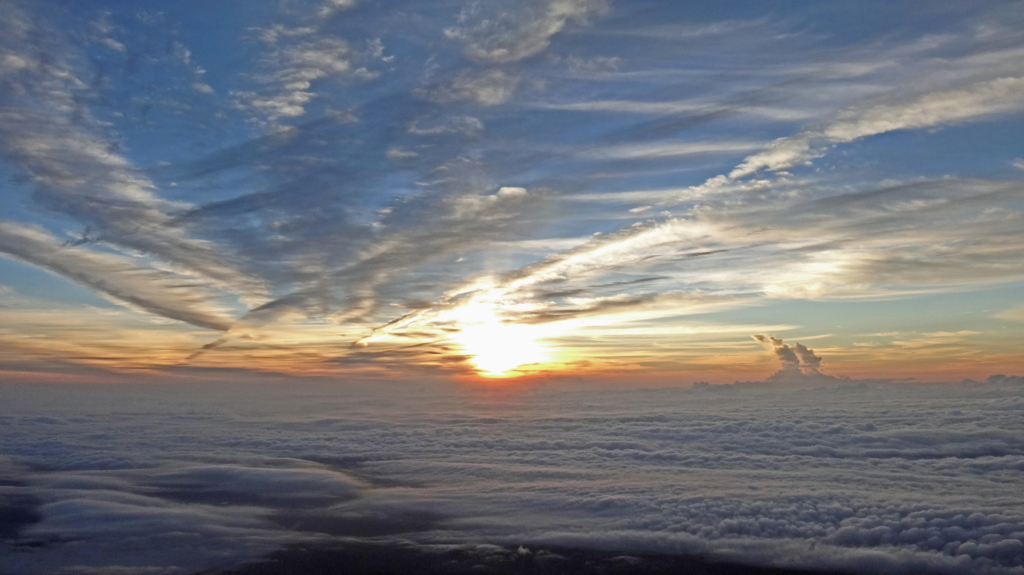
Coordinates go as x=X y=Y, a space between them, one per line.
x=811 y=473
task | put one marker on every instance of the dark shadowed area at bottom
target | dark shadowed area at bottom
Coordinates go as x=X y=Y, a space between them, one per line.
x=16 y=512
x=397 y=559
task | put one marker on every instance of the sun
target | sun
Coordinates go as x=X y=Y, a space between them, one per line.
x=497 y=347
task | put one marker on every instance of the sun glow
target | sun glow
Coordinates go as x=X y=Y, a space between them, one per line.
x=497 y=347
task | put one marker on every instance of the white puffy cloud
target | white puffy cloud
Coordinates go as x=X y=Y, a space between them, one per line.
x=484 y=88
x=668 y=149
x=512 y=192
x=973 y=102
x=781 y=154
x=298 y=56
x=295 y=67
x=499 y=33
x=466 y=125
x=331 y=6
x=695 y=106
x=597 y=65
x=400 y=154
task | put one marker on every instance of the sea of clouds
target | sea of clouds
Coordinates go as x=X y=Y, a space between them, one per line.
x=823 y=473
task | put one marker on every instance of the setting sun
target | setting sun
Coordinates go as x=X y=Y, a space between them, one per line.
x=498 y=348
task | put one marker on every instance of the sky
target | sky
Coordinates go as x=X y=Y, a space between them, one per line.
x=489 y=191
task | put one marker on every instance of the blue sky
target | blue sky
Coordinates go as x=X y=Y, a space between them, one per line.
x=609 y=190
